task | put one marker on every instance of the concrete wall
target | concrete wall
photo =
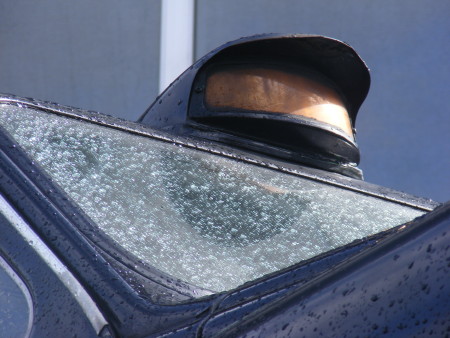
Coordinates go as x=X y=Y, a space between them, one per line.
x=104 y=55
x=101 y=55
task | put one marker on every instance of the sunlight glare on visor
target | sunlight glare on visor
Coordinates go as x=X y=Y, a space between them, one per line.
x=275 y=90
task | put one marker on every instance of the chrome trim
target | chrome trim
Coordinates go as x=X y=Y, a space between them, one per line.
x=86 y=303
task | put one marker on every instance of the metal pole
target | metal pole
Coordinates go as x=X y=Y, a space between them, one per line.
x=177 y=39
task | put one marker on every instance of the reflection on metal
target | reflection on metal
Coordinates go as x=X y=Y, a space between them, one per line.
x=181 y=108
x=26 y=295
x=88 y=306
x=216 y=223
x=177 y=39
x=276 y=90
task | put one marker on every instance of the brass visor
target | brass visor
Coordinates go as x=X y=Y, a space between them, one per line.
x=275 y=90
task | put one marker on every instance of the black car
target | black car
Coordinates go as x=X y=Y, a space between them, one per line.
x=212 y=216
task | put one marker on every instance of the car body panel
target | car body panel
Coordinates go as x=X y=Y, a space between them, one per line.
x=398 y=287
x=52 y=217
x=63 y=305
x=259 y=305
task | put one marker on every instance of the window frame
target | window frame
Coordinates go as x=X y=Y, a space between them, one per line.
x=85 y=240
x=37 y=268
x=212 y=147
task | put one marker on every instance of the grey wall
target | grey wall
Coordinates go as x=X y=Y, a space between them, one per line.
x=100 y=55
x=104 y=55
x=404 y=125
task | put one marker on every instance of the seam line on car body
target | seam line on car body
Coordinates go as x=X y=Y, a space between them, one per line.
x=86 y=303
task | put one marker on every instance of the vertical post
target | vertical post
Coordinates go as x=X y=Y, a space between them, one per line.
x=177 y=39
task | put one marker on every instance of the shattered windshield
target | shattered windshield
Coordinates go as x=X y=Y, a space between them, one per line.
x=208 y=220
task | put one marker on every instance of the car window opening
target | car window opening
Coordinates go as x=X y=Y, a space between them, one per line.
x=208 y=220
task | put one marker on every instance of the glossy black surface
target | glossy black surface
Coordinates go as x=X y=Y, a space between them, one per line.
x=313 y=144
x=320 y=141
x=335 y=59
x=64 y=227
x=397 y=288
x=125 y=296
x=55 y=309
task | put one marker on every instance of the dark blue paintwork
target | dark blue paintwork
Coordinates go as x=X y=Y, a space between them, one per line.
x=55 y=309
x=397 y=288
x=382 y=283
